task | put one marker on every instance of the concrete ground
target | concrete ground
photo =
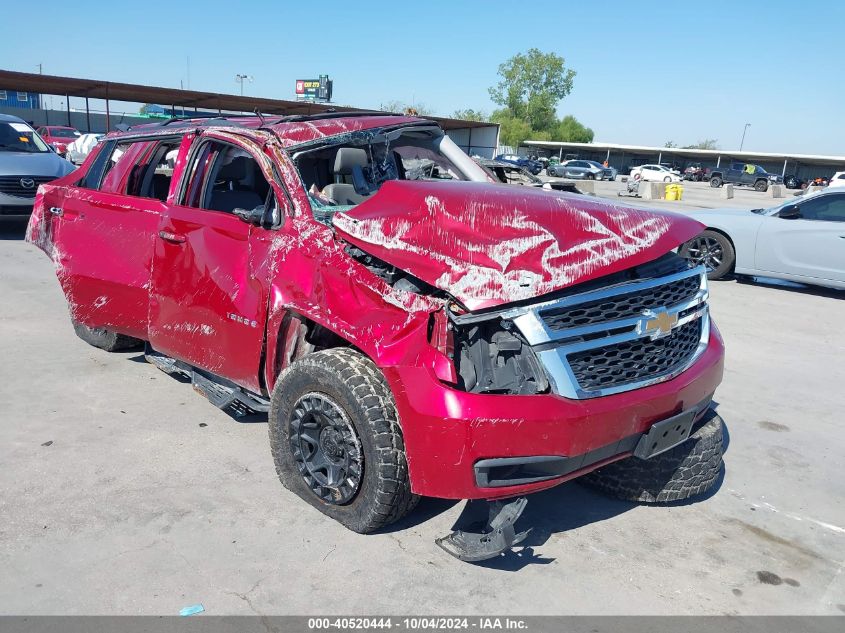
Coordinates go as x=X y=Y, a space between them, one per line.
x=697 y=195
x=124 y=492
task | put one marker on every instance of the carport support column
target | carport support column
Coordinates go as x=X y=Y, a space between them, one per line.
x=783 y=173
x=87 y=116
x=67 y=105
x=560 y=154
x=660 y=158
x=718 y=161
x=607 y=158
x=108 y=114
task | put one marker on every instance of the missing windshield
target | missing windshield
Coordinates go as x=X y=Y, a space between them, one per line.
x=351 y=168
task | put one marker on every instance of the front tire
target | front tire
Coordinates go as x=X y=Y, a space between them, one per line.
x=688 y=470
x=667 y=179
x=336 y=440
x=761 y=185
x=713 y=250
x=106 y=339
x=715 y=182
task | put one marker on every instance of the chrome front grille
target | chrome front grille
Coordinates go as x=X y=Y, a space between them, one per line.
x=22 y=186
x=621 y=306
x=618 y=338
x=636 y=360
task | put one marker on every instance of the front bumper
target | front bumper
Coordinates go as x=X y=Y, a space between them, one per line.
x=447 y=432
x=15 y=205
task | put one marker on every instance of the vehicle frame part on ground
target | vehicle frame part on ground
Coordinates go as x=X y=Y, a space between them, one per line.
x=413 y=329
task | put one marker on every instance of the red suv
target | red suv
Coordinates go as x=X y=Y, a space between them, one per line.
x=58 y=137
x=411 y=331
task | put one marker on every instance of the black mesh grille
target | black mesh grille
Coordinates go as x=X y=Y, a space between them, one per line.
x=14 y=185
x=635 y=361
x=622 y=306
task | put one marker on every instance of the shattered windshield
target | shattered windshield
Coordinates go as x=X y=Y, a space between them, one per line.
x=349 y=169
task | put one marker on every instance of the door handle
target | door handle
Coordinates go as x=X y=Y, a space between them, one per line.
x=56 y=211
x=173 y=238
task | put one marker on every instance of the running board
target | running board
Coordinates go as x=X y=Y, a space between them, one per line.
x=499 y=535
x=220 y=392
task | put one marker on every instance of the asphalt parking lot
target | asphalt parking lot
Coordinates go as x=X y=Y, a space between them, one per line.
x=124 y=492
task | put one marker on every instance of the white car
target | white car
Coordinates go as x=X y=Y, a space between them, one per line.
x=837 y=180
x=798 y=240
x=655 y=173
x=81 y=147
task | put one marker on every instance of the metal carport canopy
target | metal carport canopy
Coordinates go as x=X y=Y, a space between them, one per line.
x=136 y=93
x=806 y=159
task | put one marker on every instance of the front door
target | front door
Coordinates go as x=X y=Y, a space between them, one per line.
x=208 y=307
x=812 y=246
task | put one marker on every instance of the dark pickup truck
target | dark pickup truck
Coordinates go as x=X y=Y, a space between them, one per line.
x=743 y=174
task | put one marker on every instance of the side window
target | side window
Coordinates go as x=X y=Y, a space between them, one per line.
x=224 y=178
x=150 y=177
x=123 y=167
x=828 y=208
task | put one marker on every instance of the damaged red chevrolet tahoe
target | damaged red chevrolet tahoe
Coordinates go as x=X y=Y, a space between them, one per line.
x=412 y=328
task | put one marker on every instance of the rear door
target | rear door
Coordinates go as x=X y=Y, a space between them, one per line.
x=208 y=303
x=103 y=234
x=811 y=247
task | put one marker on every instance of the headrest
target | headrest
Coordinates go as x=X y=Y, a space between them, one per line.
x=236 y=169
x=347 y=158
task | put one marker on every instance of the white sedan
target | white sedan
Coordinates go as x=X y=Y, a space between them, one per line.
x=655 y=173
x=799 y=240
x=81 y=147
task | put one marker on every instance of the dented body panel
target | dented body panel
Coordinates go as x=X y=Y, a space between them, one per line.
x=488 y=245
x=244 y=300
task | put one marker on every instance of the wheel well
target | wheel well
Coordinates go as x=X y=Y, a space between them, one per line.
x=299 y=336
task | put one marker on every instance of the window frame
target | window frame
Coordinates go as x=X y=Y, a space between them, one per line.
x=23 y=96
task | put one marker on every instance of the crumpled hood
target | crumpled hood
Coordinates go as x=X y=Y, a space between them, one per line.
x=489 y=245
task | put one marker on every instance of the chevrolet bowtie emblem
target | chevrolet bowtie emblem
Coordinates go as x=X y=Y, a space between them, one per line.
x=658 y=323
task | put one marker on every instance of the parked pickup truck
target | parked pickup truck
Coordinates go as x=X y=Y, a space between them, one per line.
x=743 y=174
x=407 y=336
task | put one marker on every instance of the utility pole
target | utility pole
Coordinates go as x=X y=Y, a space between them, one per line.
x=240 y=79
x=742 y=142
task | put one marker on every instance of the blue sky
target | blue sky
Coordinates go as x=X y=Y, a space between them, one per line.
x=648 y=72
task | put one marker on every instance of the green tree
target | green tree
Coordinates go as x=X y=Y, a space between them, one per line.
x=531 y=85
x=469 y=115
x=710 y=143
x=512 y=130
x=670 y=144
x=570 y=130
x=406 y=108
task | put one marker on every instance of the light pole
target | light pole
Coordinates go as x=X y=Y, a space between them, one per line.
x=240 y=79
x=742 y=142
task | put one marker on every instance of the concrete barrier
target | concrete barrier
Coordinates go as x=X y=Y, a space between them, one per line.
x=586 y=186
x=777 y=191
x=728 y=191
x=652 y=190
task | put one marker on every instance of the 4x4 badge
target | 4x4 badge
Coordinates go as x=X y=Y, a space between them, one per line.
x=658 y=323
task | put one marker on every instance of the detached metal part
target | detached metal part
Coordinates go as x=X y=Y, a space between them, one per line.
x=499 y=535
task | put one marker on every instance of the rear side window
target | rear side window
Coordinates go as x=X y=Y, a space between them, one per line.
x=122 y=168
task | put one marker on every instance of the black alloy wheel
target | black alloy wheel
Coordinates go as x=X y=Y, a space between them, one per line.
x=326 y=448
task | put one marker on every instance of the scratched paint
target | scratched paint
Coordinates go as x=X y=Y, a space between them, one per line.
x=489 y=245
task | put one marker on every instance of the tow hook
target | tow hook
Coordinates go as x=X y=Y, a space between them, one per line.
x=498 y=536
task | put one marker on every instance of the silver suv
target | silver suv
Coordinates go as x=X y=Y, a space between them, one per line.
x=26 y=161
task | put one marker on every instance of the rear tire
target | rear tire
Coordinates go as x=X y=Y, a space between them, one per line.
x=354 y=429
x=686 y=471
x=715 y=182
x=106 y=339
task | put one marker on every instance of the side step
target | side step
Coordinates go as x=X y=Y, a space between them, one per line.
x=220 y=392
